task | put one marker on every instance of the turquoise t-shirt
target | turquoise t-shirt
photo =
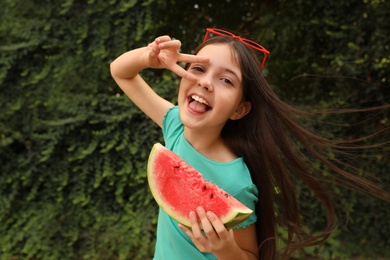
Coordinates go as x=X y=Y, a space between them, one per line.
x=234 y=177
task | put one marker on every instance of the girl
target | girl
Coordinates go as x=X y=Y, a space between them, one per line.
x=231 y=126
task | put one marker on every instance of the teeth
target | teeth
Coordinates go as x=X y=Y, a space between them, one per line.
x=199 y=99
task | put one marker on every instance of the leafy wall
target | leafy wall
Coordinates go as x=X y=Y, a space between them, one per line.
x=73 y=148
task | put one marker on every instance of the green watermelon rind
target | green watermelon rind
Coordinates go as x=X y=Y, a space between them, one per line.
x=232 y=220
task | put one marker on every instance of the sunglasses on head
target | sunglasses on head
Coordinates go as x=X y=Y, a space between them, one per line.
x=251 y=44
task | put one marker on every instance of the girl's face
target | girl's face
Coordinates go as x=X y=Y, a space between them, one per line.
x=218 y=94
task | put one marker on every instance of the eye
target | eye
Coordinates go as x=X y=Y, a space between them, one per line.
x=197 y=68
x=227 y=81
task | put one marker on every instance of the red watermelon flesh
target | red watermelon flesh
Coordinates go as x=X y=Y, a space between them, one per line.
x=178 y=189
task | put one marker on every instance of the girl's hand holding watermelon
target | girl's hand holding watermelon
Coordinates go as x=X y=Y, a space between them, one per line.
x=215 y=238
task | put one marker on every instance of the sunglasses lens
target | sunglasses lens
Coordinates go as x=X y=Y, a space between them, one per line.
x=221 y=32
x=254 y=45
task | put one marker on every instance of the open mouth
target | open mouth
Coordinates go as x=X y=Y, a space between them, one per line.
x=198 y=104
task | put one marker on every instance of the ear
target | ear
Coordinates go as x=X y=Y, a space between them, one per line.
x=242 y=110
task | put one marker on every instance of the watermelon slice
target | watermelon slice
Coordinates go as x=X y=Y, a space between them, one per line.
x=178 y=189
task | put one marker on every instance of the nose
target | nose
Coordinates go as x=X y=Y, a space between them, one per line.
x=205 y=83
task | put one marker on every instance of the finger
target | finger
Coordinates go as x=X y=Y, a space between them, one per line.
x=186 y=230
x=218 y=226
x=198 y=244
x=194 y=223
x=190 y=77
x=163 y=38
x=183 y=73
x=207 y=226
x=176 y=44
x=154 y=49
x=197 y=235
x=193 y=58
x=172 y=44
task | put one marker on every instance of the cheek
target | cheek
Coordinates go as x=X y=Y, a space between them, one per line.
x=182 y=92
x=233 y=98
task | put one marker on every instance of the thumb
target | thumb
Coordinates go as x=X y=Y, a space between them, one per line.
x=154 y=50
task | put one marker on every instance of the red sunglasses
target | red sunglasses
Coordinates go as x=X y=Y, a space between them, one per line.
x=251 y=44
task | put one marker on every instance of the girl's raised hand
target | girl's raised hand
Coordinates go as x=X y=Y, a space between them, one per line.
x=164 y=53
x=216 y=238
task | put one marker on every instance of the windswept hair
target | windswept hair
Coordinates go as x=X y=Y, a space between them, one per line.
x=268 y=138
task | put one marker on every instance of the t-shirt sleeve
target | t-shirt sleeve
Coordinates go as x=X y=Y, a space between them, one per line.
x=249 y=197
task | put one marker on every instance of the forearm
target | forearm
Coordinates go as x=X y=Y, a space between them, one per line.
x=129 y=64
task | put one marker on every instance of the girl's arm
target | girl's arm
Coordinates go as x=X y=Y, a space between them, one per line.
x=224 y=244
x=162 y=53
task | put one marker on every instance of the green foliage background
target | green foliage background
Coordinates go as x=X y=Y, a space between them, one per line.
x=73 y=148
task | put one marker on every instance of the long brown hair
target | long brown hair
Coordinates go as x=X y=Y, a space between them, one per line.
x=268 y=139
